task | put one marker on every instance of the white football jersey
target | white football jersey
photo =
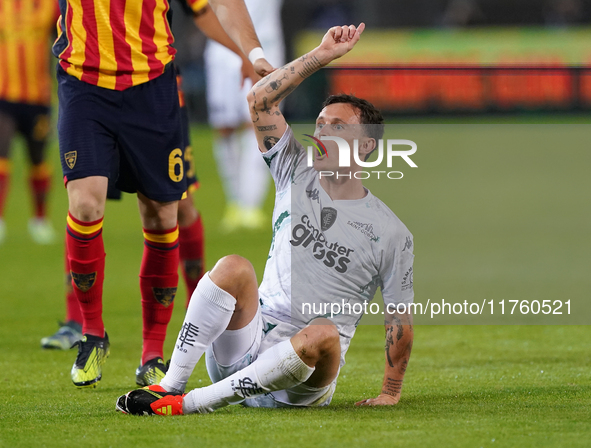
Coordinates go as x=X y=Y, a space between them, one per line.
x=326 y=251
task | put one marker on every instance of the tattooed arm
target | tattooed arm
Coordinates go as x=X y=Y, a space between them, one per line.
x=265 y=96
x=399 y=337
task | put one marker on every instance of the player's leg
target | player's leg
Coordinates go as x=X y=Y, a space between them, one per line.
x=191 y=242
x=85 y=248
x=158 y=283
x=86 y=257
x=253 y=181
x=7 y=130
x=70 y=330
x=87 y=117
x=190 y=223
x=223 y=92
x=151 y=164
x=311 y=357
x=36 y=133
x=226 y=298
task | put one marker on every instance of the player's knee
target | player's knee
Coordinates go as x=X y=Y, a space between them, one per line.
x=187 y=213
x=233 y=273
x=322 y=338
x=87 y=198
x=86 y=208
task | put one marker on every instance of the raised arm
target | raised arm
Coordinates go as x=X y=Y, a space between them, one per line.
x=399 y=338
x=237 y=23
x=265 y=96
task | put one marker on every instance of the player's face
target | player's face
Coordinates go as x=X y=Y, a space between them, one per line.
x=340 y=120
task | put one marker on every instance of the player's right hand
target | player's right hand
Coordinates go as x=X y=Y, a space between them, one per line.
x=262 y=67
x=339 y=40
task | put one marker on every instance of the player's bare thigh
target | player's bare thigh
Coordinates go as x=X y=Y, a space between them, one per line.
x=235 y=275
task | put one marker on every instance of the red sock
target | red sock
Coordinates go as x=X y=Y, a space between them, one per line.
x=4 y=178
x=191 y=254
x=73 y=312
x=40 y=180
x=158 y=283
x=86 y=256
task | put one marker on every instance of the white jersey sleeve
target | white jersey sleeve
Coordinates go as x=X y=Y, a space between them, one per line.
x=286 y=160
x=396 y=270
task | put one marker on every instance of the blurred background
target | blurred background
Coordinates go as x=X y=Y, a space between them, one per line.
x=434 y=56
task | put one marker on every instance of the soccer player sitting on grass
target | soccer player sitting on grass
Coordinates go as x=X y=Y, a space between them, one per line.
x=260 y=349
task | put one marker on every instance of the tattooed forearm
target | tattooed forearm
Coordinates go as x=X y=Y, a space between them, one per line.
x=271 y=127
x=283 y=94
x=389 y=343
x=398 y=349
x=275 y=84
x=254 y=115
x=404 y=363
x=269 y=141
x=392 y=387
x=266 y=107
x=399 y=328
x=263 y=81
x=311 y=65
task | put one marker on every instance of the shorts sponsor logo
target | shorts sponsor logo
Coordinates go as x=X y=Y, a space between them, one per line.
x=366 y=229
x=407 y=280
x=84 y=281
x=70 y=158
x=333 y=255
x=328 y=217
x=164 y=296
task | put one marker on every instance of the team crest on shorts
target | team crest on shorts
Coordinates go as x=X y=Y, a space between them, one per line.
x=70 y=158
x=328 y=216
x=165 y=296
x=84 y=281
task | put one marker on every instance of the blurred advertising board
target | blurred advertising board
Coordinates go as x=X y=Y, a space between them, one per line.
x=471 y=70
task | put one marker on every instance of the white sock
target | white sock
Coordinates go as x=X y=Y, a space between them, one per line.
x=254 y=173
x=226 y=151
x=278 y=368
x=208 y=315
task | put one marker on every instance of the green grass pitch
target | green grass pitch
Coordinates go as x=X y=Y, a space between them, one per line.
x=502 y=230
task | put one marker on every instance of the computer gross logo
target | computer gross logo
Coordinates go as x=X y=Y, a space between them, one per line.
x=333 y=255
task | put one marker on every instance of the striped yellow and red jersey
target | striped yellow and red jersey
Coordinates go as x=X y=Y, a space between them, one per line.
x=25 y=30
x=115 y=44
